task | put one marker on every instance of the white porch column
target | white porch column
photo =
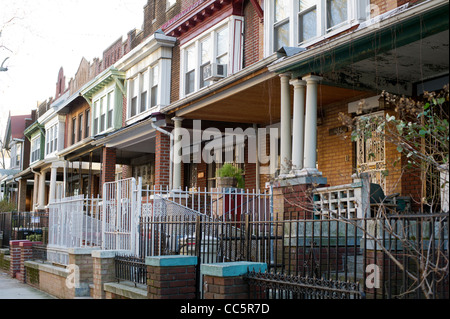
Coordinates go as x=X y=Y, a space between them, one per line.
x=52 y=195
x=41 y=192
x=286 y=142
x=177 y=156
x=35 y=190
x=298 y=129
x=311 y=125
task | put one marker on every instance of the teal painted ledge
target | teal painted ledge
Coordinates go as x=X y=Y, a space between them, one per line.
x=171 y=261
x=231 y=269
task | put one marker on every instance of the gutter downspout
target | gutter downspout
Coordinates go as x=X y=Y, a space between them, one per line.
x=171 y=149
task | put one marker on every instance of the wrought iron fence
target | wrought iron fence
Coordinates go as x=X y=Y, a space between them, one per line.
x=401 y=256
x=130 y=268
x=19 y=225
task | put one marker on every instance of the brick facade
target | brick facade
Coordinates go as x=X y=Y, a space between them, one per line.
x=109 y=165
x=162 y=160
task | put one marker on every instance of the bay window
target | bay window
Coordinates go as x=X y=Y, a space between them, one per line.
x=207 y=57
x=103 y=111
x=143 y=91
x=36 y=149
x=51 y=139
x=302 y=22
x=281 y=24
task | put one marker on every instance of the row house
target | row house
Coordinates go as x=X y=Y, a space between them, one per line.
x=274 y=75
x=18 y=147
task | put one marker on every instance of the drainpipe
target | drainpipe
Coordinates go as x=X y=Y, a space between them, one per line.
x=171 y=148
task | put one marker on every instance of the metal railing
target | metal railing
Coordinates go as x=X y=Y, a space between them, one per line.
x=399 y=256
x=130 y=268
x=74 y=222
x=19 y=225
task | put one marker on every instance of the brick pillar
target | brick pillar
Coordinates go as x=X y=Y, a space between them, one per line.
x=226 y=280
x=109 y=165
x=26 y=252
x=171 y=277
x=15 y=252
x=103 y=271
x=162 y=160
x=82 y=259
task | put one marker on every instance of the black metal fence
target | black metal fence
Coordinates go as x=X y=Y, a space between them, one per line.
x=130 y=268
x=392 y=257
x=19 y=225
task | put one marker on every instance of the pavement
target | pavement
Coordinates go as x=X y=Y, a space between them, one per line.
x=14 y=289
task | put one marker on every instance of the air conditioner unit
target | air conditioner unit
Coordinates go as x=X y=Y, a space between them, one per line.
x=214 y=72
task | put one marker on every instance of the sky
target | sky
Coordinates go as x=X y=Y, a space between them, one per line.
x=40 y=36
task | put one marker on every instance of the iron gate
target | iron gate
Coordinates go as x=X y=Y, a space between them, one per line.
x=121 y=209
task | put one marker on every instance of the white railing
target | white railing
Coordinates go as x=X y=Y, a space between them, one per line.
x=74 y=222
x=121 y=207
x=219 y=203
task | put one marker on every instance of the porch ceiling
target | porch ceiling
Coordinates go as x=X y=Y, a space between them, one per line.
x=260 y=103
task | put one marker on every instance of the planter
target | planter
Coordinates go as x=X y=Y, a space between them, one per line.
x=226 y=182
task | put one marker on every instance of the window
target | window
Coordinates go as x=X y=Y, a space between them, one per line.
x=307 y=20
x=96 y=113
x=134 y=96
x=209 y=50
x=18 y=155
x=301 y=22
x=87 y=123
x=190 y=69
x=74 y=130
x=80 y=127
x=205 y=60
x=155 y=83
x=110 y=109
x=143 y=89
x=281 y=24
x=51 y=139
x=36 y=149
x=337 y=13
x=103 y=112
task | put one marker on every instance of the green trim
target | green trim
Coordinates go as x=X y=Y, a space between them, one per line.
x=171 y=261
x=102 y=80
x=30 y=130
x=231 y=269
x=379 y=41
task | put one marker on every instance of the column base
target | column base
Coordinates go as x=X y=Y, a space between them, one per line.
x=298 y=177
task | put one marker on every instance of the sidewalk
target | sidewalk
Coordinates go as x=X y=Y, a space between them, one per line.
x=13 y=289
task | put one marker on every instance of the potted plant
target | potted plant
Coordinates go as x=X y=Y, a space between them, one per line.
x=230 y=177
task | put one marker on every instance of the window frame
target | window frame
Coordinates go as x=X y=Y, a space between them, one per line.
x=35 y=149
x=356 y=13
x=195 y=44
x=103 y=109
x=140 y=83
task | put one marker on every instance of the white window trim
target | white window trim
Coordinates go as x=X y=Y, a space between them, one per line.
x=33 y=150
x=355 y=15
x=54 y=130
x=235 y=29
x=149 y=109
x=96 y=104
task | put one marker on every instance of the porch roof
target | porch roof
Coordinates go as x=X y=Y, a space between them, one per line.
x=396 y=35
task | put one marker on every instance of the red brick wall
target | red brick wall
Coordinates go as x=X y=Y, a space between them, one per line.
x=109 y=165
x=253 y=37
x=162 y=160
